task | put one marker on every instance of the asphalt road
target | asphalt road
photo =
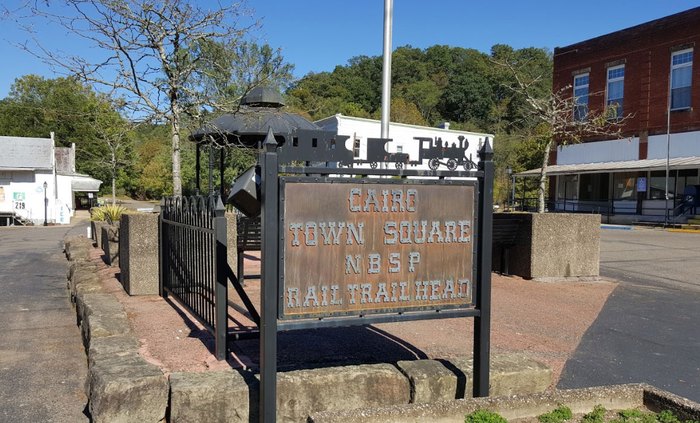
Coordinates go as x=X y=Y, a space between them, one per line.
x=649 y=329
x=42 y=361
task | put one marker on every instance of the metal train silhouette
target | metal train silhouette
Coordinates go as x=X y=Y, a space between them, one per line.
x=325 y=146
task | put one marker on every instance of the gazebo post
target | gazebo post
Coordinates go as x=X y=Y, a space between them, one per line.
x=222 y=157
x=211 y=169
x=198 y=169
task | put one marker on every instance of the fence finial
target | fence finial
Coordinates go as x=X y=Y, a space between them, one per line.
x=486 y=152
x=270 y=143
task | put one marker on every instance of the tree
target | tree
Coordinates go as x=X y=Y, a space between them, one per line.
x=37 y=106
x=152 y=52
x=558 y=116
x=113 y=133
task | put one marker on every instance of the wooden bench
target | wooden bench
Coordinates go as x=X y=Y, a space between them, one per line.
x=505 y=235
x=247 y=239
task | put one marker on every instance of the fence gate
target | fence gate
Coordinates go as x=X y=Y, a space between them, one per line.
x=193 y=266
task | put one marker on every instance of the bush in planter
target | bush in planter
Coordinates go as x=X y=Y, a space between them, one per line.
x=109 y=213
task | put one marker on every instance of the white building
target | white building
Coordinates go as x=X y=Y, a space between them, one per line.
x=413 y=140
x=36 y=187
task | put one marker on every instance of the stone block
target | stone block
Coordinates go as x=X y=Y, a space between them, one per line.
x=75 y=265
x=110 y=244
x=97 y=232
x=233 y=396
x=553 y=246
x=100 y=315
x=226 y=396
x=126 y=389
x=118 y=345
x=565 y=245
x=300 y=393
x=510 y=374
x=430 y=381
x=77 y=248
x=83 y=279
x=138 y=254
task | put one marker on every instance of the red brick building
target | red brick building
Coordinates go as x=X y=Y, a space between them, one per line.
x=633 y=71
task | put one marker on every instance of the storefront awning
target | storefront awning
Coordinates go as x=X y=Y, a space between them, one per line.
x=84 y=183
x=624 y=166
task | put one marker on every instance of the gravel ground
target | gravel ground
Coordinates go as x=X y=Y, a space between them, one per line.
x=543 y=320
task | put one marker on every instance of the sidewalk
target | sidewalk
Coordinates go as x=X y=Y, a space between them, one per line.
x=42 y=361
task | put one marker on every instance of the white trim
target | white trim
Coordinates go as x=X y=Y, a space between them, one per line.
x=670 y=76
x=613 y=80
x=588 y=91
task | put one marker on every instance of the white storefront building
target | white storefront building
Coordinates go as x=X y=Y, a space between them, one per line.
x=35 y=186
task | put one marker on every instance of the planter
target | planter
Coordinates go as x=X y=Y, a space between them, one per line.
x=550 y=246
x=110 y=244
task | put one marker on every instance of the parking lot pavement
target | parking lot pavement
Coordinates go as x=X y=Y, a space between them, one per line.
x=649 y=329
x=42 y=362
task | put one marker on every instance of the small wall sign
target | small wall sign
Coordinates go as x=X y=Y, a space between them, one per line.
x=642 y=184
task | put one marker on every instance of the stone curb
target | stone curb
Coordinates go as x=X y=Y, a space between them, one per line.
x=527 y=407
x=232 y=396
x=121 y=386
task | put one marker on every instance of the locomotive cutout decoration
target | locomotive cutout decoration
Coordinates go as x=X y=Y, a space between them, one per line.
x=326 y=146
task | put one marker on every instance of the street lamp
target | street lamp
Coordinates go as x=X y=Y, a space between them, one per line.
x=46 y=205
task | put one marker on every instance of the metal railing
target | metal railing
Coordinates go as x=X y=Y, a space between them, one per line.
x=193 y=265
x=605 y=207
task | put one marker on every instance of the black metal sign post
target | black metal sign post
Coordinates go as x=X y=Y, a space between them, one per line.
x=482 y=322
x=431 y=233
x=269 y=277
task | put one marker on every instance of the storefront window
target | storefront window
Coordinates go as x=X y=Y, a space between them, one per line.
x=686 y=177
x=624 y=186
x=567 y=188
x=594 y=187
x=657 y=184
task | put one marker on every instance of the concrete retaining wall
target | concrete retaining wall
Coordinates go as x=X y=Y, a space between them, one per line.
x=553 y=246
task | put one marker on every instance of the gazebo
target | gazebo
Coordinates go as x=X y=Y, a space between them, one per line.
x=259 y=111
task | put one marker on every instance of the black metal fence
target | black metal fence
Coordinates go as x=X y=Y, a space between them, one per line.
x=193 y=266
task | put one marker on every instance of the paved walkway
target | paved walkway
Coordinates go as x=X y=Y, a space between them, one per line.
x=648 y=330
x=42 y=361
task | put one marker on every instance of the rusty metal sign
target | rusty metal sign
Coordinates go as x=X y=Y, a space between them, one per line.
x=353 y=248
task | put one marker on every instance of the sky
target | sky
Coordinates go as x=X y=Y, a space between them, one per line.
x=317 y=35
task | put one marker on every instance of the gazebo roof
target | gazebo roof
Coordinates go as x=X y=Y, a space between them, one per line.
x=260 y=111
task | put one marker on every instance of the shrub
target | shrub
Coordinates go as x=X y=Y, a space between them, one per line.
x=109 y=213
x=484 y=416
x=595 y=416
x=558 y=415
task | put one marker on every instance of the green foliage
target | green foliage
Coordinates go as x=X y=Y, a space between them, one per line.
x=595 y=416
x=484 y=416
x=667 y=416
x=437 y=84
x=558 y=415
x=639 y=416
x=109 y=213
x=37 y=106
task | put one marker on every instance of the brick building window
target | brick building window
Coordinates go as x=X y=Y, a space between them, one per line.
x=681 y=79
x=615 y=91
x=581 y=96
